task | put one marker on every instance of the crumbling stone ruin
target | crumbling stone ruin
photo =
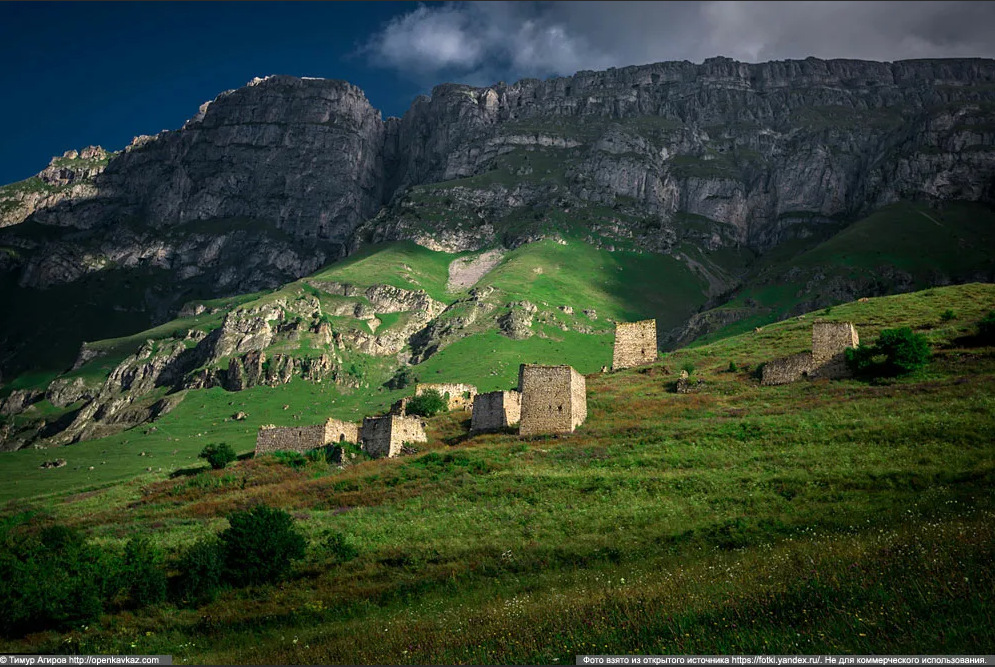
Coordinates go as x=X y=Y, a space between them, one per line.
x=495 y=410
x=635 y=344
x=305 y=438
x=826 y=360
x=685 y=385
x=400 y=407
x=460 y=395
x=554 y=399
x=385 y=436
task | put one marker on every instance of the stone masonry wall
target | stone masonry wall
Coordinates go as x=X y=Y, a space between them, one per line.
x=337 y=431
x=554 y=399
x=635 y=344
x=495 y=410
x=829 y=339
x=289 y=438
x=826 y=360
x=304 y=438
x=829 y=342
x=384 y=436
x=787 y=369
x=456 y=392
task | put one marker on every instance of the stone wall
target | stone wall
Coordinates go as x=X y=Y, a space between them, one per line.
x=635 y=344
x=384 y=436
x=829 y=339
x=305 y=438
x=554 y=399
x=337 y=431
x=289 y=438
x=495 y=410
x=460 y=395
x=787 y=369
x=826 y=360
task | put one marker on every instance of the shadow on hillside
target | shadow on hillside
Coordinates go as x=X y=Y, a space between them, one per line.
x=188 y=472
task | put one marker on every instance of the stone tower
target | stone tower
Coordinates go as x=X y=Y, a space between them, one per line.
x=635 y=344
x=554 y=399
x=495 y=410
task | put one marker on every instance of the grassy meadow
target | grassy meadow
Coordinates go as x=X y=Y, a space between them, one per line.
x=819 y=517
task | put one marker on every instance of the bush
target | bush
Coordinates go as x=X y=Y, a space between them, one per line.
x=51 y=580
x=201 y=572
x=141 y=573
x=295 y=460
x=428 y=404
x=335 y=544
x=688 y=366
x=219 y=455
x=260 y=545
x=732 y=367
x=986 y=328
x=948 y=315
x=404 y=377
x=896 y=352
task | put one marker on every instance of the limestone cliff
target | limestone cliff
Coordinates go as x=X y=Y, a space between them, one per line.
x=267 y=182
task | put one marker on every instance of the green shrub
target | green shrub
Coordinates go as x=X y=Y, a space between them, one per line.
x=986 y=328
x=141 y=573
x=948 y=315
x=896 y=352
x=688 y=366
x=404 y=377
x=51 y=580
x=732 y=367
x=295 y=460
x=428 y=404
x=201 y=573
x=260 y=545
x=335 y=544
x=219 y=455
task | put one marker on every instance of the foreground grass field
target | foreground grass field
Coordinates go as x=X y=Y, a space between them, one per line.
x=820 y=517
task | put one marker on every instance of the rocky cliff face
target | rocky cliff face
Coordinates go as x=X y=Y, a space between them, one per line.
x=267 y=182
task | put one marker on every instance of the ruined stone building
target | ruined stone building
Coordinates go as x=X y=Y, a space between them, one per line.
x=554 y=399
x=304 y=438
x=826 y=360
x=384 y=436
x=460 y=396
x=635 y=344
x=495 y=410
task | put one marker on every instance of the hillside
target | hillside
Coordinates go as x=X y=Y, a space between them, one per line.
x=899 y=248
x=815 y=518
x=343 y=332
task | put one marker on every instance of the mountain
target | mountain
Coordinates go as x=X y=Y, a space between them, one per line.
x=713 y=197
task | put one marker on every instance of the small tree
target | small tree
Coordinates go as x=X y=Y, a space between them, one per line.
x=427 y=404
x=401 y=379
x=201 y=572
x=896 y=352
x=219 y=455
x=260 y=545
x=141 y=574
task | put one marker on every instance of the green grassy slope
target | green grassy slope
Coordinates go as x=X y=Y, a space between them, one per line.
x=619 y=285
x=927 y=245
x=402 y=264
x=819 y=517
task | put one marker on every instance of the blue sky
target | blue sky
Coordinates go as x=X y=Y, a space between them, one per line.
x=82 y=73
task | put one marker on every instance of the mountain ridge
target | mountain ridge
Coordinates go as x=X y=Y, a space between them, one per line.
x=713 y=164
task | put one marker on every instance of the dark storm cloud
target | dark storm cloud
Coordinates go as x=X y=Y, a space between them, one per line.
x=486 y=41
